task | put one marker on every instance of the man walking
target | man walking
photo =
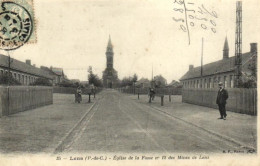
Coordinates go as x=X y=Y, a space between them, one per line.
x=221 y=101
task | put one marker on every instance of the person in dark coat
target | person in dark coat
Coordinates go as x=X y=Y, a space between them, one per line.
x=151 y=94
x=221 y=101
x=78 y=97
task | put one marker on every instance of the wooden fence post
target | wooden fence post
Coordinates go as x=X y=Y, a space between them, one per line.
x=162 y=100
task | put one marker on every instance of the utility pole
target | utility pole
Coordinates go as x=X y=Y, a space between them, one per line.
x=201 y=65
x=9 y=68
x=238 y=45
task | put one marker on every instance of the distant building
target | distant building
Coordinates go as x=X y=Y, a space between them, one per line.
x=174 y=84
x=75 y=80
x=143 y=83
x=25 y=73
x=57 y=74
x=110 y=78
x=219 y=71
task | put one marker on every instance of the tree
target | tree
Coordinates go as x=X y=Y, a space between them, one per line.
x=126 y=81
x=93 y=78
x=249 y=79
x=135 y=78
x=4 y=80
x=160 y=81
x=129 y=81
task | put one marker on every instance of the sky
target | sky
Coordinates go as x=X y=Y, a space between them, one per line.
x=73 y=34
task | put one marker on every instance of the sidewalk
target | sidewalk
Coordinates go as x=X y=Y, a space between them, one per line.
x=238 y=127
x=40 y=130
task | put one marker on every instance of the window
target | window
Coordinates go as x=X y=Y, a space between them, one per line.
x=205 y=83
x=231 y=82
x=225 y=81
x=210 y=83
x=22 y=81
x=198 y=84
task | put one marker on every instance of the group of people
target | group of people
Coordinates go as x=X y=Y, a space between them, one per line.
x=221 y=100
x=78 y=94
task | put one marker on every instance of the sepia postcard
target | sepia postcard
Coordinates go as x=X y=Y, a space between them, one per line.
x=129 y=82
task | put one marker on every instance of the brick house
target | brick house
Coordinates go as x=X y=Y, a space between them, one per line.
x=25 y=73
x=222 y=70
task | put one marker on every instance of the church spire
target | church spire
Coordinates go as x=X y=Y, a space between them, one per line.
x=226 y=49
x=109 y=45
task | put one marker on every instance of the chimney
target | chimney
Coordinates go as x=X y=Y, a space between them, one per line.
x=34 y=65
x=28 y=62
x=191 y=67
x=253 y=47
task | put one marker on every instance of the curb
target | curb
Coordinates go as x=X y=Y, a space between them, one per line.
x=60 y=144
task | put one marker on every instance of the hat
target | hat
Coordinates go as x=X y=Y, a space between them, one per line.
x=220 y=83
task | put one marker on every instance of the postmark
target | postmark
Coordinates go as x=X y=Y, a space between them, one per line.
x=16 y=25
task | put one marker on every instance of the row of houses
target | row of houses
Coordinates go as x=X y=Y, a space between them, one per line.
x=208 y=75
x=26 y=73
x=145 y=83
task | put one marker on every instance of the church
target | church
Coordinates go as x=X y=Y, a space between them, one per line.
x=110 y=79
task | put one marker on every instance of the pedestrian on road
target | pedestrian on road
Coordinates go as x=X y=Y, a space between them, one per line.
x=151 y=94
x=221 y=101
x=78 y=97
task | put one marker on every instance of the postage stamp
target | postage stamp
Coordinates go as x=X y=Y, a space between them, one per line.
x=17 y=25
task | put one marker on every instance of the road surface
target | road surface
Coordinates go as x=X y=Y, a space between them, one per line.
x=115 y=123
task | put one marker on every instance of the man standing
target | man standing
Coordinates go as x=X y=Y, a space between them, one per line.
x=221 y=101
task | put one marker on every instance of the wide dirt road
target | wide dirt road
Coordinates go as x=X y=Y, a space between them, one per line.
x=116 y=123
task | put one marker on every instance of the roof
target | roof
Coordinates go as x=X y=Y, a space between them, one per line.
x=48 y=70
x=23 y=67
x=174 y=82
x=58 y=71
x=143 y=81
x=221 y=66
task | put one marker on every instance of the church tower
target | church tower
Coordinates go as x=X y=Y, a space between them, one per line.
x=226 y=50
x=109 y=54
x=110 y=78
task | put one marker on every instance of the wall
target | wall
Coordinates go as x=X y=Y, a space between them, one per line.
x=70 y=90
x=240 y=100
x=22 y=98
x=189 y=83
x=158 y=91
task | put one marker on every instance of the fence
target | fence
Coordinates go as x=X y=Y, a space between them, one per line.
x=239 y=100
x=71 y=90
x=158 y=91
x=15 y=99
